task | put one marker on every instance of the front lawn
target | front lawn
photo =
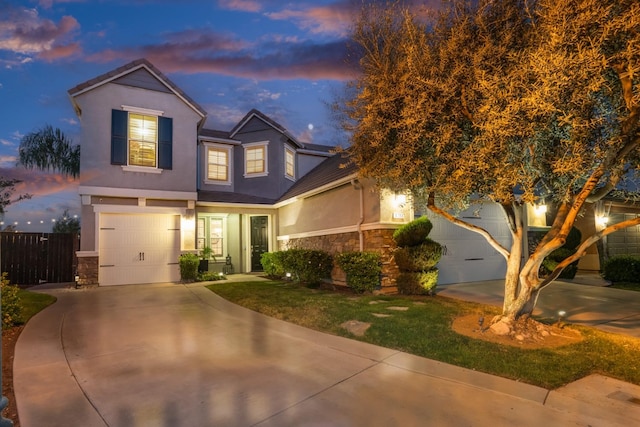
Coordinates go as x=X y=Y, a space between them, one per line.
x=424 y=329
x=32 y=303
x=628 y=286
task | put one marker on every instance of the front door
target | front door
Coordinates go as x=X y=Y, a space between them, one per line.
x=259 y=240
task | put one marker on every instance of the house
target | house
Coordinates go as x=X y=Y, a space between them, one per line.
x=156 y=183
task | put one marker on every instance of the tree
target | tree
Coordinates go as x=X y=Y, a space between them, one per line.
x=66 y=224
x=7 y=188
x=50 y=149
x=512 y=102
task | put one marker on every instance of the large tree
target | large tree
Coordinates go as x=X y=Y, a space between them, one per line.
x=508 y=101
x=50 y=149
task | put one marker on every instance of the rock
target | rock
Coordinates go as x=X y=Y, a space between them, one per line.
x=500 y=328
x=398 y=308
x=381 y=315
x=356 y=327
x=520 y=337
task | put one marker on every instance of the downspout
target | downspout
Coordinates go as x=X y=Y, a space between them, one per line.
x=358 y=186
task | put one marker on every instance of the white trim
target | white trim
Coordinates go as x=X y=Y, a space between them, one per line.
x=221 y=147
x=136 y=192
x=318 y=190
x=253 y=145
x=129 y=209
x=141 y=110
x=141 y=169
x=86 y=254
x=339 y=230
x=240 y=206
x=205 y=139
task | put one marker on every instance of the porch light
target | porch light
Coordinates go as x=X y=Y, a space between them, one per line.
x=541 y=209
x=399 y=200
x=602 y=220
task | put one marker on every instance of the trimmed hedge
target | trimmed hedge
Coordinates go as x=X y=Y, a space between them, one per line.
x=418 y=258
x=413 y=233
x=189 y=267
x=305 y=265
x=622 y=268
x=418 y=283
x=11 y=306
x=362 y=268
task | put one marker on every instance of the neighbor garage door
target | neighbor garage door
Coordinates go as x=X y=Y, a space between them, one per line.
x=467 y=255
x=139 y=248
x=625 y=241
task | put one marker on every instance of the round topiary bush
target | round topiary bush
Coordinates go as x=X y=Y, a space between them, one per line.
x=418 y=258
x=423 y=283
x=413 y=233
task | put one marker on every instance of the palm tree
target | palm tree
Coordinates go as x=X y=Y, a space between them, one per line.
x=50 y=149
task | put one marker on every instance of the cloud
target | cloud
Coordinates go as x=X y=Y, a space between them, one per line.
x=38 y=183
x=204 y=51
x=70 y=121
x=242 y=5
x=331 y=19
x=46 y=4
x=23 y=32
x=7 y=161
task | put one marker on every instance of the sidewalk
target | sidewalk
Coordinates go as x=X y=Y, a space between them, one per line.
x=167 y=354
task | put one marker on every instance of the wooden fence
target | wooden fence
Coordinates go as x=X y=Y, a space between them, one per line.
x=33 y=258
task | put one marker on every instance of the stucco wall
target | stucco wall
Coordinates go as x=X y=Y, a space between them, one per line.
x=95 y=167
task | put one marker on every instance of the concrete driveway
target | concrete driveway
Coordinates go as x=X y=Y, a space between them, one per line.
x=175 y=355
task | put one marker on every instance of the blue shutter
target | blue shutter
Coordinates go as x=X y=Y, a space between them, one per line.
x=165 y=143
x=119 y=121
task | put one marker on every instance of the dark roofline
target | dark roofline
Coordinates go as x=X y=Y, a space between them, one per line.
x=128 y=68
x=268 y=120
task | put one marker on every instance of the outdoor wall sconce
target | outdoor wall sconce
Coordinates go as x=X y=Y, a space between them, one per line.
x=399 y=200
x=540 y=209
x=602 y=220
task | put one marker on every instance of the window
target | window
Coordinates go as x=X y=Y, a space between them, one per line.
x=142 y=139
x=143 y=134
x=216 y=236
x=289 y=163
x=217 y=164
x=255 y=159
x=211 y=233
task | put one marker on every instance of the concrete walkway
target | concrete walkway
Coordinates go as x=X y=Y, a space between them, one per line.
x=175 y=355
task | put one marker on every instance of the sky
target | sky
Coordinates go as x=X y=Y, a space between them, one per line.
x=287 y=59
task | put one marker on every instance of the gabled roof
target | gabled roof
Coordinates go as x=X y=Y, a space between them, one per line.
x=216 y=135
x=268 y=120
x=132 y=67
x=333 y=170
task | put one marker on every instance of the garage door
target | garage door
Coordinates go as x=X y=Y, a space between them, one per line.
x=139 y=248
x=467 y=256
x=625 y=241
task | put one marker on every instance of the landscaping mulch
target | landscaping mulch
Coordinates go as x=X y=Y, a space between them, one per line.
x=9 y=339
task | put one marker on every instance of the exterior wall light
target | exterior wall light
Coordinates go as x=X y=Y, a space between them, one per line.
x=540 y=209
x=602 y=220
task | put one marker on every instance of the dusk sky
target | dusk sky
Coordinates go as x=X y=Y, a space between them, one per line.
x=287 y=59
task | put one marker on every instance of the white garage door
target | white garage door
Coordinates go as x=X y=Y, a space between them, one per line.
x=467 y=256
x=139 y=248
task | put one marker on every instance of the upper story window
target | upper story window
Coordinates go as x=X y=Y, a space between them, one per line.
x=143 y=136
x=255 y=159
x=141 y=139
x=289 y=163
x=218 y=163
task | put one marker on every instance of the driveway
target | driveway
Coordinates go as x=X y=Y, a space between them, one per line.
x=176 y=355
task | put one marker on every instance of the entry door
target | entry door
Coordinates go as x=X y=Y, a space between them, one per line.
x=259 y=240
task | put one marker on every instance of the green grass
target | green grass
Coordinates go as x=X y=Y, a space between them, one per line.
x=628 y=286
x=33 y=303
x=425 y=330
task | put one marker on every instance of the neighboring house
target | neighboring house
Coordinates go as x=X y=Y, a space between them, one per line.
x=155 y=183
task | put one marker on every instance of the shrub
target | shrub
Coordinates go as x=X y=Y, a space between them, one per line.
x=418 y=258
x=413 y=233
x=209 y=276
x=622 y=268
x=272 y=264
x=554 y=258
x=306 y=265
x=422 y=283
x=11 y=306
x=189 y=267
x=362 y=268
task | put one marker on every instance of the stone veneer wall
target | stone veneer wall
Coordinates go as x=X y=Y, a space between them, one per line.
x=87 y=270
x=379 y=240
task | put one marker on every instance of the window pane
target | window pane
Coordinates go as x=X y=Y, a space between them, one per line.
x=216 y=237
x=288 y=159
x=218 y=165
x=255 y=160
x=143 y=135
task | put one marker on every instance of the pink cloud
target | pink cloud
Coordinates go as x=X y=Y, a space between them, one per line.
x=242 y=5
x=58 y=52
x=38 y=183
x=23 y=31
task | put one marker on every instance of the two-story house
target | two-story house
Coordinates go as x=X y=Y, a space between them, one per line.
x=155 y=183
